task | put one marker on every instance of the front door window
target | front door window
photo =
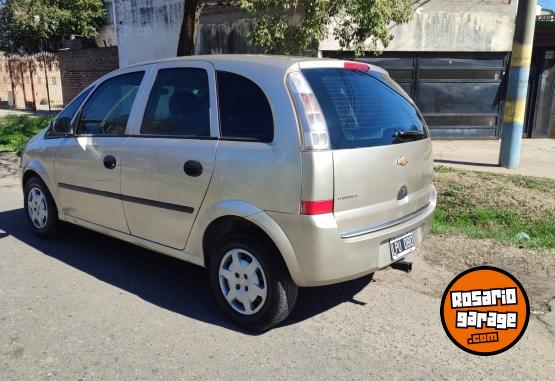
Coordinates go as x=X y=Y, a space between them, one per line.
x=107 y=110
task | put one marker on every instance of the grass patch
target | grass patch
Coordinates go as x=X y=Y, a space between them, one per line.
x=444 y=169
x=537 y=183
x=513 y=210
x=16 y=130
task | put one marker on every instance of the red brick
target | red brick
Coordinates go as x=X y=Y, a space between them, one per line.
x=80 y=67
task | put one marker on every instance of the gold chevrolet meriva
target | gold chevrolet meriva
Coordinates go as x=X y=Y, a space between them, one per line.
x=271 y=172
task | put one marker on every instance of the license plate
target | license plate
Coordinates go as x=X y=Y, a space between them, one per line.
x=401 y=246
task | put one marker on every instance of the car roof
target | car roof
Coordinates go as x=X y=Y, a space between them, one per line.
x=284 y=62
x=279 y=63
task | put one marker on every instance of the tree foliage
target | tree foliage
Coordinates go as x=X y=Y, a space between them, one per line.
x=295 y=26
x=33 y=25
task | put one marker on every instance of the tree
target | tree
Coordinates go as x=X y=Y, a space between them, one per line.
x=296 y=26
x=28 y=26
x=189 y=27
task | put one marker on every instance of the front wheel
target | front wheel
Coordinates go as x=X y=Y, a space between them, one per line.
x=40 y=208
x=250 y=283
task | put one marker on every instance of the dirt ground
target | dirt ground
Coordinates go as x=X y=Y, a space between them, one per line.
x=535 y=269
x=530 y=198
x=484 y=189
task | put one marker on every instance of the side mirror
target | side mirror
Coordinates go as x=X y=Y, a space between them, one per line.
x=61 y=126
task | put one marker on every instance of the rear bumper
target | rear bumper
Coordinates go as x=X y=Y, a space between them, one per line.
x=325 y=257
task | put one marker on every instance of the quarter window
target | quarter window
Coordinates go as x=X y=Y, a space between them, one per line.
x=179 y=104
x=244 y=109
x=107 y=110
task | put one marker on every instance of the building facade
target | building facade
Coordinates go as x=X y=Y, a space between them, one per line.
x=452 y=58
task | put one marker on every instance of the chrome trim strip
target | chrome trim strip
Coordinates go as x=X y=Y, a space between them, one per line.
x=383 y=225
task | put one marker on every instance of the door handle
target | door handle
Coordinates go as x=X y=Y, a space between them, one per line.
x=193 y=168
x=110 y=162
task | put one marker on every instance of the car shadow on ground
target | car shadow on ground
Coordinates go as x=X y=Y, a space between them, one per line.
x=471 y=163
x=164 y=281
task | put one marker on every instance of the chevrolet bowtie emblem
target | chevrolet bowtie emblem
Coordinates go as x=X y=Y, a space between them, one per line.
x=402 y=161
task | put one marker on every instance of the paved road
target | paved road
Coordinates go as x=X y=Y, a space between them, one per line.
x=90 y=307
x=536 y=159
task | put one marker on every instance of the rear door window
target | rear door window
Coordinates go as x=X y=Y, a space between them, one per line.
x=362 y=110
x=179 y=104
x=245 y=112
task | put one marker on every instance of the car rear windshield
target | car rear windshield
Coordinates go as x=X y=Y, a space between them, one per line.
x=363 y=109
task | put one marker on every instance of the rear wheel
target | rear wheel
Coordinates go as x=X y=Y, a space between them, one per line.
x=40 y=208
x=250 y=283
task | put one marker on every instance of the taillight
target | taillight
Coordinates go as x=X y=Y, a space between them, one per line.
x=360 y=66
x=314 y=129
x=316 y=207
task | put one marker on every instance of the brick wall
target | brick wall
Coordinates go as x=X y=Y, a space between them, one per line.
x=4 y=82
x=81 y=67
x=30 y=82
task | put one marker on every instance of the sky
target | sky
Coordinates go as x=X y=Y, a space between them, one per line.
x=549 y=4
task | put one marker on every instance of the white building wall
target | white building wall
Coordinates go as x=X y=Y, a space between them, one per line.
x=147 y=29
x=453 y=26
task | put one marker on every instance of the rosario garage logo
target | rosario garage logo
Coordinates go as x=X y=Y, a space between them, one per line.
x=485 y=310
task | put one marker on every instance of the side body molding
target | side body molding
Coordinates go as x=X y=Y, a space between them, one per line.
x=255 y=215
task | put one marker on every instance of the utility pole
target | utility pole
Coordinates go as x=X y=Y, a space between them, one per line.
x=517 y=89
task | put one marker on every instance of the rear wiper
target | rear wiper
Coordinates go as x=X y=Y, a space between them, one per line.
x=416 y=135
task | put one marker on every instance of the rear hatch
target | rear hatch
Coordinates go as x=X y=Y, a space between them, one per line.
x=382 y=157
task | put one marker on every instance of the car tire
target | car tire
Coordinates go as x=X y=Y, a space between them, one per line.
x=40 y=209
x=244 y=260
